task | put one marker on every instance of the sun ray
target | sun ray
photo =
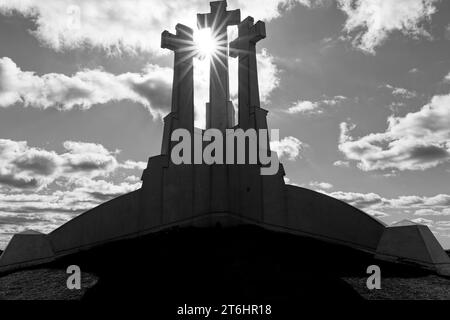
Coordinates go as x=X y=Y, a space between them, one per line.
x=206 y=43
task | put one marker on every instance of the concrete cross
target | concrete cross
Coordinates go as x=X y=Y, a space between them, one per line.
x=244 y=47
x=219 y=18
x=182 y=111
x=220 y=109
x=182 y=41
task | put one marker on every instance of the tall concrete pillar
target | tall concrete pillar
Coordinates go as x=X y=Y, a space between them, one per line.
x=263 y=198
x=220 y=112
x=244 y=47
x=182 y=112
x=163 y=194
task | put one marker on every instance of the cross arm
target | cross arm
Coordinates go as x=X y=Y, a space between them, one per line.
x=219 y=16
x=233 y=17
x=182 y=39
x=249 y=33
x=258 y=31
x=203 y=20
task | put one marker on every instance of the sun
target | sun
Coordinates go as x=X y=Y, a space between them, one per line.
x=205 y=43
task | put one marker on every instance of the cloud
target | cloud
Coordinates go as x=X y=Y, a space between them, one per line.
x=431 y=212
x=342 y=164
x=303 y=106
x=309 y=107
x=321 y=185
x=292 y=183
x=402 y=92
x=438 y=201
x=132 y=25
x=417 y=141
x=370 y=22
x=25 y=167
x=85 y=89
x=134 y=165
x=289 y=147
x=22 y=167
x=426 y=222
x=435 y=205
x=132 y=179
x=45 y=212
x=88 y=159
x=268 y=75
x=151 y=88
x=447 y=78
x=102 y=190
x=359 y=200
x=443 y=224
x=381 y=207
x=377 y=214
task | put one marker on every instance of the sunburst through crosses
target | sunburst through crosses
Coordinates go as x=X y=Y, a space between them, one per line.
x=206 y=44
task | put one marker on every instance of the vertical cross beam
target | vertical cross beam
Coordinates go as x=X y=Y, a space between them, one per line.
x=220 y=107
x=244 y=47
x=182 y=111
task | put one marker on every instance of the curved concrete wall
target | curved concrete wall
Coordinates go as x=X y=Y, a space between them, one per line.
x=331 y=219
x=26 y=249
x=112 y=220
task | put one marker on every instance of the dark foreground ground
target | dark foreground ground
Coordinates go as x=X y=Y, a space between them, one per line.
x=222 y=266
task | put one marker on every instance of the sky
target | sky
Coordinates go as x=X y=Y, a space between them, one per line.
x=359 y=89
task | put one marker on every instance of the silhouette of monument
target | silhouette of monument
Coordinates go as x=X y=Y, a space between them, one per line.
x=203 y=196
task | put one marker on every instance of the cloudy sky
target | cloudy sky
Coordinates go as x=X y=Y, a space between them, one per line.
x=360 y=90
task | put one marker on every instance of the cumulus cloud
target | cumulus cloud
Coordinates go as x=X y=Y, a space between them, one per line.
x=426 y=222
x=342 y=164
x=309 y=107
x=132 y=179
x=303 y=106
x=132 y=25
x=381 y=207
x=360 y=200
x=268 y=75
x=289 y=147
x=22 y=167
x=25 y=167
x=438 y=201
x=45 y=212
x=290 y=182
x=86 y=88
x=432 y=212
x=377 y=214
x=88 y=159
x=370 y=22
x=402 y=92
x=443 y=224
x=151 y=88
x=134 y=165
x=129 y=25
x=417 y=141
x=321 y=185
x=102 y=190
x=420 y=205
x=447 y=78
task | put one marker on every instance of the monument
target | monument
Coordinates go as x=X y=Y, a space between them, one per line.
x=207 y=195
